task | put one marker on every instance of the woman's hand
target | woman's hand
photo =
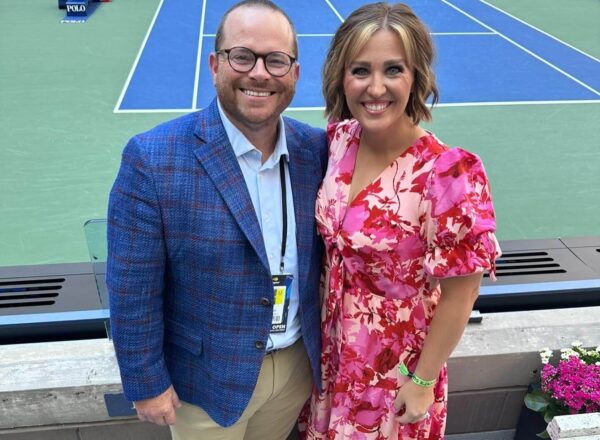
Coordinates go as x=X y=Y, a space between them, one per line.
x=415 y=400
x=448 y=323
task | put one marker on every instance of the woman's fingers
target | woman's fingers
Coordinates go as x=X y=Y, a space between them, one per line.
x=412 y=403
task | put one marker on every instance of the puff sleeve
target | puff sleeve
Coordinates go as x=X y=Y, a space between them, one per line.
x=459 y=220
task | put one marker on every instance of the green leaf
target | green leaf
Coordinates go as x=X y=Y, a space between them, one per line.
x=548 y=416
x=543 y=434
x=556 y=409
x=536 y=401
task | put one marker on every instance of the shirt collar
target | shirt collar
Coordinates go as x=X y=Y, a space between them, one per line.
x=241 y=145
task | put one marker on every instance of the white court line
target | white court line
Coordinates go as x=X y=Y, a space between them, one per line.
x=299 y=35
x=315 y=35
x=198 y=57
x=453 y=104
x=137 y=59
x=581 y=83
x=304 y=109
x=157 y=110
x=430 y=33
x=476 y=104
x=541 y=31
x=335 y=11
x=508 y=103
x=461 y=33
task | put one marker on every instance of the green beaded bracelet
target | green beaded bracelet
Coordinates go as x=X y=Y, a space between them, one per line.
x=416 y=379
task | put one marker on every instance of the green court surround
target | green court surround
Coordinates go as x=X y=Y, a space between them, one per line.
x=61 y=142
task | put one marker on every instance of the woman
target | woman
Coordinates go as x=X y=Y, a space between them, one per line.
x=408 y=226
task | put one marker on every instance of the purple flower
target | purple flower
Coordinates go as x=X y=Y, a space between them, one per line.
x=573 y=384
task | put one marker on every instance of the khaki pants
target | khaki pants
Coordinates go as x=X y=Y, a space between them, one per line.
x=284 y=385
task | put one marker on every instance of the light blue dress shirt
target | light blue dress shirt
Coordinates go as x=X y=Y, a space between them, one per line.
x=264 y=185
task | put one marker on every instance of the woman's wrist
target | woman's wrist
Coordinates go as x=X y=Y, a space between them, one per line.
x=423 y=382
x=416 y=379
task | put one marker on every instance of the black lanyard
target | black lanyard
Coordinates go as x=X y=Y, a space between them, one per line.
x=284 y=211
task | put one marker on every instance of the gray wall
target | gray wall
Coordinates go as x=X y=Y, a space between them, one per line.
x=56 y=390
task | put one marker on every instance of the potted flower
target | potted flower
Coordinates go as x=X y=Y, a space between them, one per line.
x=572 y=386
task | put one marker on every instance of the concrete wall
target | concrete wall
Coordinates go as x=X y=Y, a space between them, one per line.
x=56 y=390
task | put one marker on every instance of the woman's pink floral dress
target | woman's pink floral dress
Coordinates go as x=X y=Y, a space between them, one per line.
x=427 y=216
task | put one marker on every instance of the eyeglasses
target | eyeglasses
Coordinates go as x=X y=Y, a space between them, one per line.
x=243 y=60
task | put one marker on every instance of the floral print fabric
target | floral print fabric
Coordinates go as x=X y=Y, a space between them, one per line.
x=427 y=216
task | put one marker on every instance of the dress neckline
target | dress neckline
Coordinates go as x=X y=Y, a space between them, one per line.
x=351 y=154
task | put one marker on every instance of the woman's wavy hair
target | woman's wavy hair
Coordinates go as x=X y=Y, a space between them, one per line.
x=351 y=37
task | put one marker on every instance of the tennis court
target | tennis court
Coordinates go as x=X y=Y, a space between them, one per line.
x=485 y=56
x=520 y=86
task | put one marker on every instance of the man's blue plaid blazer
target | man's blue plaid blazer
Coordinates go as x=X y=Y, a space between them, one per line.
x=187 y=266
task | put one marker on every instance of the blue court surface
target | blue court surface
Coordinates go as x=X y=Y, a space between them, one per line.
x=485 y=56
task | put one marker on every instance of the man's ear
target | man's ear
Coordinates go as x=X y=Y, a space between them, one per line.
x=213 y=62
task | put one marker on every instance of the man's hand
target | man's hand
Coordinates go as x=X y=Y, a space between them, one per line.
x=415 y=401
x=159 y=409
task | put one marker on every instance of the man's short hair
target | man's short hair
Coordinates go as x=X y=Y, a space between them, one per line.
x=268 y=4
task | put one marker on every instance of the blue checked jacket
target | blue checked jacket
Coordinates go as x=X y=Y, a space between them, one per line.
x=187 y=267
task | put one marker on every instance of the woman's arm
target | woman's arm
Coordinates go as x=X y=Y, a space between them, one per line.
x=447 y=326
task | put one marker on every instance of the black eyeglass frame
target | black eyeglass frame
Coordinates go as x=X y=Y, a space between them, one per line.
x=257 y=56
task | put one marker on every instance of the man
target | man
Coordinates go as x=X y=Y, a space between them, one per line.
x=214 y=309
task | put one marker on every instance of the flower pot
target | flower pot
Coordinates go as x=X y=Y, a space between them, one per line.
x=530 y=423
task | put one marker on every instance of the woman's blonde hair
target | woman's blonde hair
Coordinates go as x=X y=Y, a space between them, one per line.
x=351 y=37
